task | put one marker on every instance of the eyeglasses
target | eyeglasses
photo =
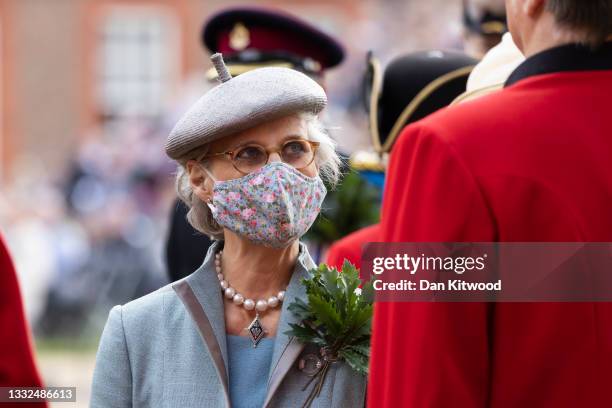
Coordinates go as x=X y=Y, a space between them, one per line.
x=298 y=153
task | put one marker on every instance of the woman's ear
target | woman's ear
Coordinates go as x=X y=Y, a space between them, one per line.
x=533 y=7
x=200 y=181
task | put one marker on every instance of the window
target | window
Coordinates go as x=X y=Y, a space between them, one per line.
x=137 y=65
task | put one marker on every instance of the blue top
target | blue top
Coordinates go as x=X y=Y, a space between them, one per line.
x=248 y=370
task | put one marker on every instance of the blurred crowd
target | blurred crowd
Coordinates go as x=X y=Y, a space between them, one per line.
x=93 y=235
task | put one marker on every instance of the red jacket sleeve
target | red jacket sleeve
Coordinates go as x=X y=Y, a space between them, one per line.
x=350 y=248
x=17 y=367
x=428 y=355
x=337 y=253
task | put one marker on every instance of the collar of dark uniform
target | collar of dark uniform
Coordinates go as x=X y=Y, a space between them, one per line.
x=565 y=58
x=201 y=295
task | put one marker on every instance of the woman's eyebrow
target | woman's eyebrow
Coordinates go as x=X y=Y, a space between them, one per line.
x=253 y=142
x=292 y=137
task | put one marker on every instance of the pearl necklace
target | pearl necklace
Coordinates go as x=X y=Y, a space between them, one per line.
x=255 y=329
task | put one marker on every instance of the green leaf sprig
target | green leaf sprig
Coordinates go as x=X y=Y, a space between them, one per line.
x=337 y=318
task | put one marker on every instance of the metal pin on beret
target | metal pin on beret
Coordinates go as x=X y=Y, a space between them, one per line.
x=242 y=102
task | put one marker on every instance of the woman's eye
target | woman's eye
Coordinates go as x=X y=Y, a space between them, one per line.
x=294 y=148
x=250 y=154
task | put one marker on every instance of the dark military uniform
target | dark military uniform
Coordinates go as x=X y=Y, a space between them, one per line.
x=484 y=23
x=412 y=87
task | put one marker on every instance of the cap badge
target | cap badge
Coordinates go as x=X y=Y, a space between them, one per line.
x=493 y=27
x=239 y=37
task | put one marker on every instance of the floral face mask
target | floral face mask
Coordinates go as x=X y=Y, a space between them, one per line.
x=272 y=206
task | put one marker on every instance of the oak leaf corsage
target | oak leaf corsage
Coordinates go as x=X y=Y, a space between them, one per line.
x=337 y=319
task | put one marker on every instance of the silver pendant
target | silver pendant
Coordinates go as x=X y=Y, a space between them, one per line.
x=256 y=330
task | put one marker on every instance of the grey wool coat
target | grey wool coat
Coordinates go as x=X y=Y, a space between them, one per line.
x=168 y=349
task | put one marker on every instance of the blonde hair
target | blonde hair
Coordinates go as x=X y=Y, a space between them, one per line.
x=199 y=215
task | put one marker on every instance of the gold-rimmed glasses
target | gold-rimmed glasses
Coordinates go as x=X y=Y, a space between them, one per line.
x=298 y=153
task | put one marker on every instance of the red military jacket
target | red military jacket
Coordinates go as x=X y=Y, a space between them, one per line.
x=17 y=367
x=532 y=162
x=350 y=247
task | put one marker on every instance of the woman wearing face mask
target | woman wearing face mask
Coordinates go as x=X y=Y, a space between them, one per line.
x=251 y=155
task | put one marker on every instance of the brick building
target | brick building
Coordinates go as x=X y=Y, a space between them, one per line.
x=68 y=65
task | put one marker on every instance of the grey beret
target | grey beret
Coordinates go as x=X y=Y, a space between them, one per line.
x=243 y=102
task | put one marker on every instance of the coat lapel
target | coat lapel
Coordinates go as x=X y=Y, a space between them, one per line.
x=202 y=298
x=287 y=349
